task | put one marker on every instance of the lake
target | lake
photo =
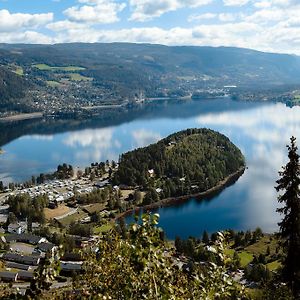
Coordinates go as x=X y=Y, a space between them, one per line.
x=260 y=130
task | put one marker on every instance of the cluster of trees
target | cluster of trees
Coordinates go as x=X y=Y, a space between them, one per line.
x=193 y=158
x=197 y=249
x=243 y=239
x=135 y=266
x=107 y=194
x=64 y=171
x=66 y=241
x=96 y=169
x=258 y=272
x=23 y=206
x=80 y=229
x=12 y=88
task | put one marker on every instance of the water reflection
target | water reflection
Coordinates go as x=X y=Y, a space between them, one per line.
x=143 y=137
x=261 y=130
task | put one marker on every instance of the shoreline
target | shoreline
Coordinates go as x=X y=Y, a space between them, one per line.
x=21 y=117
x=230 y=179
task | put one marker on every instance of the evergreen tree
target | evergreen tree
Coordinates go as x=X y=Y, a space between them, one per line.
x=205 y=237
x=290 y=224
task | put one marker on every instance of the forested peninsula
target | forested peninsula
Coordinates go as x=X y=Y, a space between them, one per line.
x=188 y=162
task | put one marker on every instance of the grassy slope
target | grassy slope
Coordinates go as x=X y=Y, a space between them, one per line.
x=45 y=67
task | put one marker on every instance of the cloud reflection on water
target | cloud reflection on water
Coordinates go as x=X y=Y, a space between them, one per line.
x=93 y=144
x=262 y=133
x=143 y=137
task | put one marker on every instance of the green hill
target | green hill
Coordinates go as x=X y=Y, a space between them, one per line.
x=193 y=160
x=12 y=87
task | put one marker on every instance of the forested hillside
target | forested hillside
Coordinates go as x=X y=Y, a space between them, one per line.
x=11 y=87
x=78 y=75
x=192 y=159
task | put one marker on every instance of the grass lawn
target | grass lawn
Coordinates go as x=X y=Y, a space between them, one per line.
x=78 y=77
x=274 y=265
x=245 y=257
x=52 y=83
x=79 y=215
x=44 y=67
x=102 y=228
x=261 y=246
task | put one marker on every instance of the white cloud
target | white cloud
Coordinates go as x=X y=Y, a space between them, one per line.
x=30 y=37
x=11 y=22
x=96 y=11
x=207 y=16
x=66 y=25
x=145 y=10
x=228 y=17
x=235 y=2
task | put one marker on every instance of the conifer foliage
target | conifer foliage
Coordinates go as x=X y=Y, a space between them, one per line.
x=288 y=184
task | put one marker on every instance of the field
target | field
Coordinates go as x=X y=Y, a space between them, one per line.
x=245 y=257
x=260 y=247
x=19 y=71
x=102 y=229
x=59 y=211
x=52 y=83
x=79 y=215
x=44 y=67
x=78 y=77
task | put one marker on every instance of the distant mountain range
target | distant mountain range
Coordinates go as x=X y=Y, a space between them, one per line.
x=151 y=69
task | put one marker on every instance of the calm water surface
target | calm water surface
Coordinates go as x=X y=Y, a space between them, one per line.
x=260 y=130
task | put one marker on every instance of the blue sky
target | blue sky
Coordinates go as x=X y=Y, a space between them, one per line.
x=267 y=25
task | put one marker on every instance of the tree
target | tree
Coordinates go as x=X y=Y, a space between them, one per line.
x=205 y=237
x=290 y=224
x=151 y=197
x=1 y=186
x=11 y=219
x=137 y=197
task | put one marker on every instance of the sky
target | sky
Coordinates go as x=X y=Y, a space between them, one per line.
x=266 y=25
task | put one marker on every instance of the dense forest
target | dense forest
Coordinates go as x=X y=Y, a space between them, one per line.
x=12 y=88
x=193 y=160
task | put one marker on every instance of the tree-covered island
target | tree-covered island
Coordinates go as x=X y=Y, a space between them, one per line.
x=187 y=162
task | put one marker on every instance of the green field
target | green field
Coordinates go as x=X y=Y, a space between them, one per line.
x=274 y=265
x=245 y=257
x=102 y=229
x=78 y=77
x=44 y=67
x=19 y=71
x=52 y=83
x=260 y=247
x=79 y=215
